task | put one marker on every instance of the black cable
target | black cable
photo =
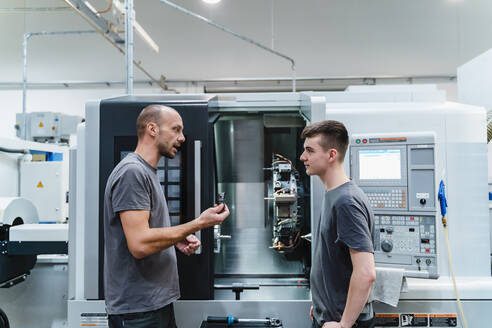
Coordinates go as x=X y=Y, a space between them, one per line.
x=14 y=151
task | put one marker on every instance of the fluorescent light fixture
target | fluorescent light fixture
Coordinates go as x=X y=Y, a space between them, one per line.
x=212 y=2
x=137 y=27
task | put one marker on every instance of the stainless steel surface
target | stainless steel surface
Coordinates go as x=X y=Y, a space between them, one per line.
x=242 y=37
x=91 y=217
x=198 y=187
x=72 y=236
x=269 y=289
x=240 y=162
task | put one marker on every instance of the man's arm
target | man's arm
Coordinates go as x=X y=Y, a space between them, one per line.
x=363 y=276
x=143 y=241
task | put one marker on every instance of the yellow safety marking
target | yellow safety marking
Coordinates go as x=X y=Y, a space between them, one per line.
x=41 y=124
x=40 y=185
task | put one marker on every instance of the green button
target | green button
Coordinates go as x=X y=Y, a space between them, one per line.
x=357 y=141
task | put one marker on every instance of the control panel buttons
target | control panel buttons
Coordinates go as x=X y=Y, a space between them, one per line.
x=387 y=245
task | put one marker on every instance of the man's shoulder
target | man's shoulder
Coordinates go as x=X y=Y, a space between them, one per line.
x=127 y=168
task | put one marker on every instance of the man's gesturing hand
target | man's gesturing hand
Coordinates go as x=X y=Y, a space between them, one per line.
x=189 y=245
x=213 y=216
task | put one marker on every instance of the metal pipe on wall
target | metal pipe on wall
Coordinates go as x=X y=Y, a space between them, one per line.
x=129 y=46
x=27 y=36
x=242 y=37
x=33 y=10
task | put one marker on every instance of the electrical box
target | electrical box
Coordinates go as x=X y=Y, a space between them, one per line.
x=47 y=126
x=41 y=183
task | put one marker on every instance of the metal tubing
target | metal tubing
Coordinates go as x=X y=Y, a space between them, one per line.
x=129 y=46
x=242 y=37
x=27 y=36
x=105 y=35
x=33 y=10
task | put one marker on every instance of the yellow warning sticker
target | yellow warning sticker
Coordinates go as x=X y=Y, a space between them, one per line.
x=41 y=124
x=40 y=185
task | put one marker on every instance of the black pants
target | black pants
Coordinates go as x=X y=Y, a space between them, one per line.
x=371 y=323
x=161 y=318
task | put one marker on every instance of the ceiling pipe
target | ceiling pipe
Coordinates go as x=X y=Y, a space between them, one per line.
x=122 y=51
x=242 y=37
x=27 y=36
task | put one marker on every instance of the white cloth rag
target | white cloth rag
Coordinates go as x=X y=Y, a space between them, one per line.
x=387 y=286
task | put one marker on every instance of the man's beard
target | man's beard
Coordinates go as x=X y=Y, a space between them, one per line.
x=166 y=152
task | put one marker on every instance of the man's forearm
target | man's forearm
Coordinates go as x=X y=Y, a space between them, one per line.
x=358 y=293
x=157 y=239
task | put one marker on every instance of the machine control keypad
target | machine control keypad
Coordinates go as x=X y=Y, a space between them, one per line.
x=395 y=198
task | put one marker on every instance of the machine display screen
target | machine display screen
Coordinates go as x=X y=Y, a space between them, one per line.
x=380 y=164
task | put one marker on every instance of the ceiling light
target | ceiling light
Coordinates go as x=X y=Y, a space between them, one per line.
x=212 y=2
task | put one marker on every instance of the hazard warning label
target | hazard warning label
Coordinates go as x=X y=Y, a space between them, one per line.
x=414 y=319
x=387 y=320
x=443 y=320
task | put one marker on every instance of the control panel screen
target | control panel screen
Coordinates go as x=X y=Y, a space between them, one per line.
x=380 y=164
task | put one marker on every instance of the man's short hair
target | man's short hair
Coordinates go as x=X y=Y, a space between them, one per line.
x=151 y=113
x=333 y=135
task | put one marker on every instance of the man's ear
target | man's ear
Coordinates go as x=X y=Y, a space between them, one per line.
x=152 y=128
x=333 y=155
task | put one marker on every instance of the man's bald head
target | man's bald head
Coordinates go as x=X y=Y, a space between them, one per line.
x=152 y=113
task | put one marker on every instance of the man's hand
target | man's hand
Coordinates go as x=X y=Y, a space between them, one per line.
x=332 y=324
x=311 y=313
x=189 y=245
x=213 y=216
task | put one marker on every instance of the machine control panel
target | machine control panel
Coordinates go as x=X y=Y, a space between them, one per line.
x=387 y=198
x=397 y=174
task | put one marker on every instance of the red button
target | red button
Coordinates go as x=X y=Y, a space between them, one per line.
x=364 y=140
x=427 y=250
x=411 y=218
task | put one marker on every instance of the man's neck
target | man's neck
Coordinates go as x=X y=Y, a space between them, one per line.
x=149 y=154
x=334 y=177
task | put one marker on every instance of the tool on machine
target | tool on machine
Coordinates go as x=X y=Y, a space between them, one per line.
x=231 y=321
x=286 y=219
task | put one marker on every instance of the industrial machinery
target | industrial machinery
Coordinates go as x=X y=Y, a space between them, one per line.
x=403 y=142
x=48 y=127
x=32 y=196
x=397 y=173
x=286 y=219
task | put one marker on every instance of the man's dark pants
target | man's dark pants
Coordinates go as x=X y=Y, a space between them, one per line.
x=161 y=318
x=371 y=323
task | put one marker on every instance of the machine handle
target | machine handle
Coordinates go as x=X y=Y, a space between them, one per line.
x=229 y=320
x=198 y=186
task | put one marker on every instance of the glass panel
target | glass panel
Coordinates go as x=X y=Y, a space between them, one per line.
x=173 y=191
x=160 y=174
x=161 y=162
x=174 y=162
x=174 y=220
x=173 y=175
x=174 y=206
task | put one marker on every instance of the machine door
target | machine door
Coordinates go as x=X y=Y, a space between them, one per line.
x=186 y=180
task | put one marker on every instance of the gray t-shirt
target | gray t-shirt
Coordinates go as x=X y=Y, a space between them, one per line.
x=132 y=285
x=346 y=222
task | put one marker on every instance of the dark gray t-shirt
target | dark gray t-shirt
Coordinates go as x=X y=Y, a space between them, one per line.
x=346 y=222
x=132 y=285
